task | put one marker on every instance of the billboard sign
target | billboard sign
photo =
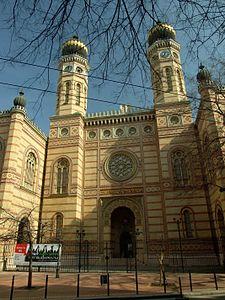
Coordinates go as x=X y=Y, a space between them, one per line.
x=42 y=255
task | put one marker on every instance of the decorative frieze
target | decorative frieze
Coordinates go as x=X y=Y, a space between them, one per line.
x=122 y=191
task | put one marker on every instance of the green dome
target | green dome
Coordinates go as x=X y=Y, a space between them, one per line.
x=20 y=100
x=161 y=31
x=74 y=46
x=203 y=75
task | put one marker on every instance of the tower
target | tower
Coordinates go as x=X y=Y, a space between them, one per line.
x=65 y=155
x=166 y=71
x=73 y=79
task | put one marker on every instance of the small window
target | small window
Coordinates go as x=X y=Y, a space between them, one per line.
x=181 y=89
x=57 y=226
x=62 y=176
x=157 y=82
x=180 y=168
x=67 y=94
x=78 y=93
x=188 y=223
x=79 y=70
x=30 y=171
x=169 y=74
x=23 y=235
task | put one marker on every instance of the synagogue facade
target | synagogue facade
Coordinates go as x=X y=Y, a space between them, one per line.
x=152 y=177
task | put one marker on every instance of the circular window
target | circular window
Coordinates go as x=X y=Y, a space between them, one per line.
x=64 y=131
x=121 y=166
x=79 y=70
x=148 y=129
x=174 y=120
x=106 y=133
x=92 y=134
x=119 y=132
x=132 y=130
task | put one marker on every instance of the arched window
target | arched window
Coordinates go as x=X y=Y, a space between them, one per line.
x=180 y=168
x=157 y=84
x=67 y=94
x=62 y=176
x=24 y=234
x=58 y=95
x=188 y=223
x=179 y=77
x=169 y=74
x=30 y=170
x=57 y=226
x=78 y=92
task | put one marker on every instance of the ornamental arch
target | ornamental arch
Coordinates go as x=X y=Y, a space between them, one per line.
x=110 y=205
x=130 y=208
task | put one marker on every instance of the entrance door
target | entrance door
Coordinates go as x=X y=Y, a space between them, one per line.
x=122 y=232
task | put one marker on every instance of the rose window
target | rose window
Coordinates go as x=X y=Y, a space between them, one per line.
x=148 y=129
x=64 y=131
x=92 y=134
x=132 y=130
x=121 y=166
x=119 y=132
x=174 y=120
x=106 y=133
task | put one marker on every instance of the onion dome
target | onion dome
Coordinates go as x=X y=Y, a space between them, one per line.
x=74 y=46
x=203 y=75
x=20 y=100
x=161 y=31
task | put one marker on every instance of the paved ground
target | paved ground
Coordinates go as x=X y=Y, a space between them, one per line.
x=122 y=284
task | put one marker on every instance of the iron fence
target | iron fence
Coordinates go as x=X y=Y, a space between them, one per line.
x=93 y=256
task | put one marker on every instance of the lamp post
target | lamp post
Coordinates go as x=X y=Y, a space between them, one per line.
x=137 y=233
x=178 y=221
x=80 y=235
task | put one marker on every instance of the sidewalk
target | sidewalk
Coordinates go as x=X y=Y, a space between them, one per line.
x=122 y=284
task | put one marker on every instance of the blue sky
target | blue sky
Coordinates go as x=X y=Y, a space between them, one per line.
x=20 y=74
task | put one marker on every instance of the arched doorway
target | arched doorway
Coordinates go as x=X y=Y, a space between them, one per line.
x=122 y=232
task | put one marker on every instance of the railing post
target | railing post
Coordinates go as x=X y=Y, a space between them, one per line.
x=190 y=281
x=46 y=287
x=164 y=281
x=78 y=285
x=107 y=284
x=180 y=286
x=215 y=279
x=12 y=288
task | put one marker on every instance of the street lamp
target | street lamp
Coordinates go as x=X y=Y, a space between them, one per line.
x=80 y=235
x=137 y=233
x=178 y=221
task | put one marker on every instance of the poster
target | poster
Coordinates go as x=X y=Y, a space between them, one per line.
x=43 y=255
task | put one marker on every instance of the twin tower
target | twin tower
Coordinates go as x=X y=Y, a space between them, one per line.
x=164 y=58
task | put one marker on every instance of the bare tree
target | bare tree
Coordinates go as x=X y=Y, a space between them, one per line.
x=114 y=31
x=17 y=229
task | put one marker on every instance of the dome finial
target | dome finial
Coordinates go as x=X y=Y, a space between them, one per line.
x=74 y=46
x=20 y=99
x=203 y=75
x=161 y=31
